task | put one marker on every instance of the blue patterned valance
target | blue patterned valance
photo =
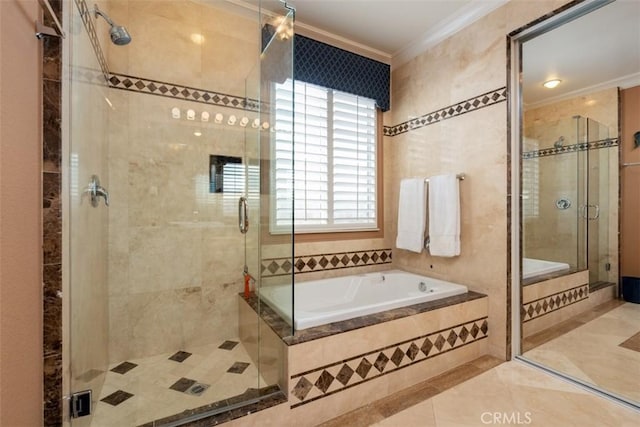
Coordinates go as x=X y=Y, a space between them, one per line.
x=328 y=66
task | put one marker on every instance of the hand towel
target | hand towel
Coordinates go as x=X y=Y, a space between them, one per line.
x=411 y=215
x=444 y=216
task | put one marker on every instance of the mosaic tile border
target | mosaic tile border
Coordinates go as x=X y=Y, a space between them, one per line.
x=86 y=16
x=545 y=305
x=341 y=375
x=585 y=146
x=484 y=100
x=272 y=267
x=186 y=93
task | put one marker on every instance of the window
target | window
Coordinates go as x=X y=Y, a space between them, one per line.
x=334 y=160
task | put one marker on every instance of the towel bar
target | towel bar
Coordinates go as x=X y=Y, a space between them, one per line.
x=460 y=177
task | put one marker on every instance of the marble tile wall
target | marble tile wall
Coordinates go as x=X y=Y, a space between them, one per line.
x=556 y=237
x=52 y=226
x=468 y=64
x=175 y=254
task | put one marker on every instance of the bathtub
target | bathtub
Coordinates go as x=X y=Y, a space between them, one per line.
x=319 y=302
x=534 y=267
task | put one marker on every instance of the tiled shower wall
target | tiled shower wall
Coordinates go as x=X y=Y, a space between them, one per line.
x=175 y=253
x=557 y=172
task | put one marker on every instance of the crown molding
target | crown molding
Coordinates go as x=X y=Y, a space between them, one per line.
x=456 y=22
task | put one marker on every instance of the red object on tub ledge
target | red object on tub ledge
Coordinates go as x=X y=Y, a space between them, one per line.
x=247 y=290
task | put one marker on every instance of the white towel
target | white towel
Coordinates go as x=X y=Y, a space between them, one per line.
x=411 y=215
x=444 y=216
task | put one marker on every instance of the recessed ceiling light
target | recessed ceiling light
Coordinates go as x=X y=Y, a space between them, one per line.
x=197 y=133
x=550 y=84
x=197 y=38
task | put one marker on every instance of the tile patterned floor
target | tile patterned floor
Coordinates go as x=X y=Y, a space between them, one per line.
x=142 y=390
x=512 y=394
x=592 y=351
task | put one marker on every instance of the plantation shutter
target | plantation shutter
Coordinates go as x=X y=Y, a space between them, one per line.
x=334 y=167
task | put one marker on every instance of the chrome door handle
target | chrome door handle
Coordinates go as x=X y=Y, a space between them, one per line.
x=597 y=215
x=243 y=217
x=95 y=191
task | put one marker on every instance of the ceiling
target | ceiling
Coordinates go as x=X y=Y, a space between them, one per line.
x=596 y=51
x=601 y=47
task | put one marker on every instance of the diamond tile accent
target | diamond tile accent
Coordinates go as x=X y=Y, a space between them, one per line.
x=302 y=388
x=412 y=351
x=451 y=339
x=327 y=382
x=466 y=106
x=116 y=397
x=322 y=262
x=553 y=151
x=123 y=368
x=381 y=361
x=397 y=356
x=228 y=345
x=324 y=381
x=427 y=345
x=345 y=374
x=363 y=368
x=168 y=90
x=183 y=384
x=238 y=367
x=180 y=356
x=542 y=306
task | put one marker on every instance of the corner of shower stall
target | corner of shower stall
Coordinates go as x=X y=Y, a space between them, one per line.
x=167 y=175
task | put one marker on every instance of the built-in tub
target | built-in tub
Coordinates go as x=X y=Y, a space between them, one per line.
x=320 y=302
x=534 y=267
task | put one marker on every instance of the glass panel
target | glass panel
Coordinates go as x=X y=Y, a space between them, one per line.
x=159 y=322
x=277 y=249
x=550 y=196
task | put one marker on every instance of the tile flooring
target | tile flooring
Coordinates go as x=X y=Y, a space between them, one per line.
x=513 y=393
x=599 y=351
x=138 y=391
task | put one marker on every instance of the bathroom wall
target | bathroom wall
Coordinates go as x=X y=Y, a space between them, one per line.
x=556 y=236
x=175 y=253
x=21 y=362
x=469 y=138
x=630 y=205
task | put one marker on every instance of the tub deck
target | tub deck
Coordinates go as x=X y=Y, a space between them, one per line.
x=283 y=329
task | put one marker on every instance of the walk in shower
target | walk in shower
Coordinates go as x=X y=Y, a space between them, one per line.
x=569 y=197
x=167 y=192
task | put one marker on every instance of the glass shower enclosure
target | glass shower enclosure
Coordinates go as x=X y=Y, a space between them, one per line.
x=167 y=190
x=566 y=195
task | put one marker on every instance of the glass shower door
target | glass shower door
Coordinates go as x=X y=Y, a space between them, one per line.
x=168 y=189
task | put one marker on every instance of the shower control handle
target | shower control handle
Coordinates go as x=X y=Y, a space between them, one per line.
x=243 y=217
x=95 y=191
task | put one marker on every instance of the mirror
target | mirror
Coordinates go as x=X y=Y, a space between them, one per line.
x=572 y=319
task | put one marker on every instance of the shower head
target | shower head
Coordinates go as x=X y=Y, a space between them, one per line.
x=119 y=34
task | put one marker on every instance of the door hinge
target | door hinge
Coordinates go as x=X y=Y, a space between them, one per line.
x=80 y=404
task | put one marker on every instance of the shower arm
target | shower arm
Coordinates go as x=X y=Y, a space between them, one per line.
x=97 y=12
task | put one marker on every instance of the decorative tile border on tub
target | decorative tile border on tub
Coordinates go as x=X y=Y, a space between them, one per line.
x=272 y=267
x=477 y=102
x=545 y=305
x=341 y=375
x=593 y=145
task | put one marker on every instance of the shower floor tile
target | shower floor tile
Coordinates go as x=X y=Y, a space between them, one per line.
x=158 y=386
